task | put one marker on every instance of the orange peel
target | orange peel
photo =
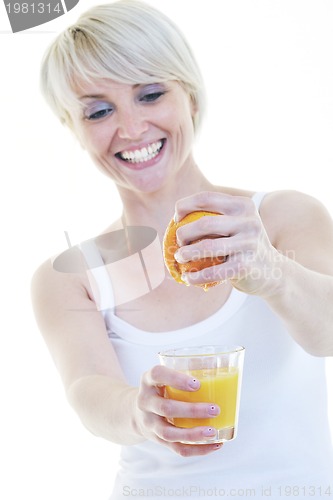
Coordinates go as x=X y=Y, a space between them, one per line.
x=170 y=247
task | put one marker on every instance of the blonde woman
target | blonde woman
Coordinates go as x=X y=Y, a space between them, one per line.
x=125 y=81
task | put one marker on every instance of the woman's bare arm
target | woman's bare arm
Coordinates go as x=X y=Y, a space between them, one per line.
x=75 y=334
x=284 y=256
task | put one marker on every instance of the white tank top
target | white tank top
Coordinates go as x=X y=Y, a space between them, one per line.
x=283 y=447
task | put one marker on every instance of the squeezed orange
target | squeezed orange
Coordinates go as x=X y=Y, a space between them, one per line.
x=217 y=386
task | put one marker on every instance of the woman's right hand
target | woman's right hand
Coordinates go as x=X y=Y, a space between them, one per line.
x=153 y=410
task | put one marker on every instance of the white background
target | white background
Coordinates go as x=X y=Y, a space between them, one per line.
x=269 y=72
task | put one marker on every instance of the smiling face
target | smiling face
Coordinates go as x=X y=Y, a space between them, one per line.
x=139 y=135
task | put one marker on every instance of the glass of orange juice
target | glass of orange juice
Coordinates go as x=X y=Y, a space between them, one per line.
x=219 y=370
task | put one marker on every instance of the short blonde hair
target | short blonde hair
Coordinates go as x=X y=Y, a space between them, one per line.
x=127 y=41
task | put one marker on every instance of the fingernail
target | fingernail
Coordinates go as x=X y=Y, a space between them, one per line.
x=179 y=258
x=194 y=384
x=184 y=278
x=210 y=432
x=214 y=410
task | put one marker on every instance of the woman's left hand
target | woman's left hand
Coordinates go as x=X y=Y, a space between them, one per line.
x=252 y=263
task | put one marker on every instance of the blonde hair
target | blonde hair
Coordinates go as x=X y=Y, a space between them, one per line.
x=127 y=41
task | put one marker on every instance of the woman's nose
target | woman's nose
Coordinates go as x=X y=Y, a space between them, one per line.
x=132 y=123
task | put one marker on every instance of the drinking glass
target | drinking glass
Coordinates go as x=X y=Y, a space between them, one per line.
x=219 y=370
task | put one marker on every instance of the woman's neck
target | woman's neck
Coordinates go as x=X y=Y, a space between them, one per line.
x=156 y=209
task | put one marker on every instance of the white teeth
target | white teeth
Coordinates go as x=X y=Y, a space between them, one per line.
x=147 y=153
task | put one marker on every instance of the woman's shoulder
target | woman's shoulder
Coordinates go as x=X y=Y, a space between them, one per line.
x=282 y=205
x=232 y=191
x=289 y=215
x=289 y=206
x=61 y=279
x=70 y=264
x=58 y=279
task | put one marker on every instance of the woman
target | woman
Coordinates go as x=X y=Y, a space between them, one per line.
x=125 y=81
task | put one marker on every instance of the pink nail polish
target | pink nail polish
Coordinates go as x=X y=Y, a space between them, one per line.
x=210 y=432
x=213 y=410
x=194 y=384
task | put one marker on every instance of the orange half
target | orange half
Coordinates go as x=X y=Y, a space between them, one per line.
x=170 y=246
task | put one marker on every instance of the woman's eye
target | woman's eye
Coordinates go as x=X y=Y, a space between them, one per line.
x=96 y=112
x=151 y=97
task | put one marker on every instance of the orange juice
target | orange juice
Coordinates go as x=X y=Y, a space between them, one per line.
x=217 y=386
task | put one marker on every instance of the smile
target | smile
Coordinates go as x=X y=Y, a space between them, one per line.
x=147 y=153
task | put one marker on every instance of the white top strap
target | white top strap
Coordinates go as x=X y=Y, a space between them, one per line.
x=99 y=279
x=257 y=198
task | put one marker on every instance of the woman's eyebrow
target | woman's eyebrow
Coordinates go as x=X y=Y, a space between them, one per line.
x=103 y=96
x=92 y=96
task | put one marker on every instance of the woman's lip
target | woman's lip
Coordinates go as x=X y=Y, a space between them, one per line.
x=143 y=164
x=138 y=147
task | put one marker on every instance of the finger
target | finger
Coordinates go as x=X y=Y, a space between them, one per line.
x=172 y=434
x=214 y=202
x=173 y=437
x=217 y=247
x=170 y=408
x=161 y=375
x=190 y=450
x=234 y=268
x=217 y=226
x=205 y=227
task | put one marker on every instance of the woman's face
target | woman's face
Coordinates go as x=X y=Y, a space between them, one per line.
x=139 y=135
